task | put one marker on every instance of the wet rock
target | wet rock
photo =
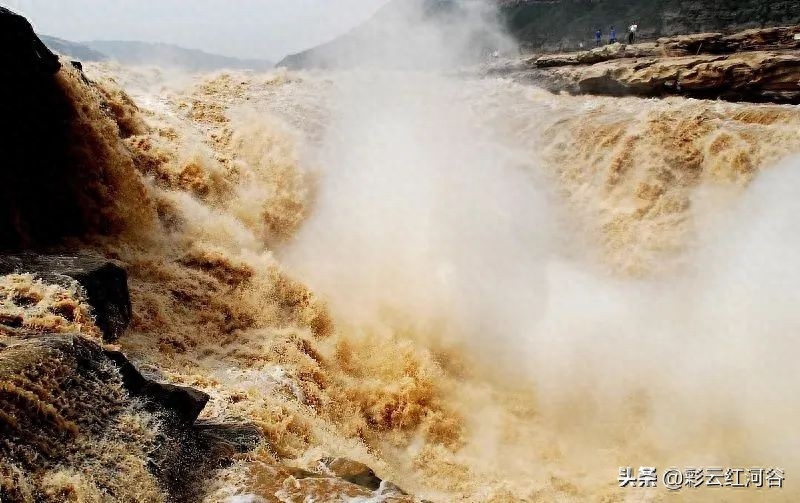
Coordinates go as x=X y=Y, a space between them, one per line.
x=271 y=482
x=353 y=472
x=184 y=403
x=33 y=138
x=68 y=404
x=229 y=438
x=103 y=283
x=65 y=406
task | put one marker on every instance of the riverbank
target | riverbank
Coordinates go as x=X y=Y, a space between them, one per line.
x=760 y=65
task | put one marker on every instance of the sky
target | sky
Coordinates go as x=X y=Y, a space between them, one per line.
x=266 y=29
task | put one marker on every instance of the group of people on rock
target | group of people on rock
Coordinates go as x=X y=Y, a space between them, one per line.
x=612 y=36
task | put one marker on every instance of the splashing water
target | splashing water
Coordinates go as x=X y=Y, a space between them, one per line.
x=483 y=291
x=514 y=293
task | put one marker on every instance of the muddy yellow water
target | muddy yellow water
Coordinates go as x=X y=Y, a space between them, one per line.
x=483 y=291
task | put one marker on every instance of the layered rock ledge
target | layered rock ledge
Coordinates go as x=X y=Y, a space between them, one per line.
x=754 y=65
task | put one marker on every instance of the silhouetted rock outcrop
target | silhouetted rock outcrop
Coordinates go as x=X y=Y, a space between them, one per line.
x=21 y=51
x=185 y=404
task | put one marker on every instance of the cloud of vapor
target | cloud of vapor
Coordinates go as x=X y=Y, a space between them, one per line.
x=425 y=221
x=417 y=34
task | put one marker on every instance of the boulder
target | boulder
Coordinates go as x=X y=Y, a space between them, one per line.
x=103 y=283
x=231 y=437
x=353 y=472
x=185 y=404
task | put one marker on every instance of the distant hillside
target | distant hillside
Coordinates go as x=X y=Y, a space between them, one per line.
x=552 y=25
x=172 y=56
x=72 y=50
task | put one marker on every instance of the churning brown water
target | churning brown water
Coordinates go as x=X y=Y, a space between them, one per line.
x=483 y=291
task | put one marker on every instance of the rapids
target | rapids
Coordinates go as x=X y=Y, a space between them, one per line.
x=483 y=291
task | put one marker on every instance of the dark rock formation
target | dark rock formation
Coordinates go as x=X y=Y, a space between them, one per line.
x=33 y=136
x=66 y=403
x=185 y=403
x=104 y=284
x=21 y=50
x=64 y=170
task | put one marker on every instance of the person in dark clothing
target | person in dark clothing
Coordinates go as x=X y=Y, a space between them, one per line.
x=598 y=38
x=612 y=37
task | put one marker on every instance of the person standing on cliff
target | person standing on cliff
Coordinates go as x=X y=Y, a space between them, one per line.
x=598 y=38
x=612 y=37
x=632 y=32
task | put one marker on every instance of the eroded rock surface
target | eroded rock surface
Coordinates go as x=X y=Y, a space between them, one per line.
x=752 y=76
x=767 y=39
x=760 y=65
